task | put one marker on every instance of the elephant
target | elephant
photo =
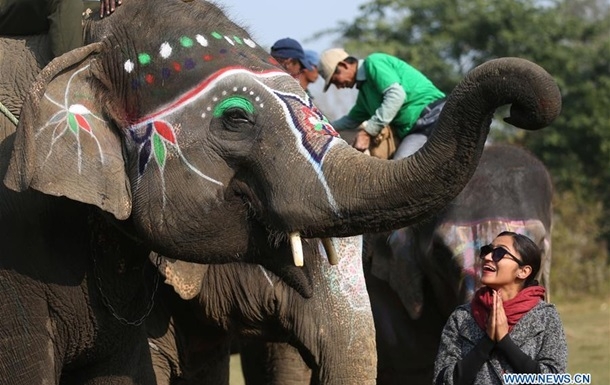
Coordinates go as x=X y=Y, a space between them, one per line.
x=417 y=275
x=203 y=307
x=187 y=139
x=31 y=53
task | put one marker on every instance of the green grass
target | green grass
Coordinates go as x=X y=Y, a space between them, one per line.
x=235 y=376
x=586 y=322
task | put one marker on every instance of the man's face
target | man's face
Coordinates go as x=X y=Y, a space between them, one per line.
x=292 y=66
x=311 y=75
x=344 y=75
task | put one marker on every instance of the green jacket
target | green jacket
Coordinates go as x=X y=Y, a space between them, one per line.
x=382 y=71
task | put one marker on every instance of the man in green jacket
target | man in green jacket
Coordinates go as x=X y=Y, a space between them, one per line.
x=390 y=93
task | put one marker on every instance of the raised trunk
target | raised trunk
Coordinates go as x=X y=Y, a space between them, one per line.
x=375 y=195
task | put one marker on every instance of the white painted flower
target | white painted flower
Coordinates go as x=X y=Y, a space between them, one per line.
x=249 y=43
x=79 y=109
x=229 y=40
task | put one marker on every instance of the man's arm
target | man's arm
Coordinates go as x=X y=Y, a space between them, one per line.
x=345 y=123
x=393 y=98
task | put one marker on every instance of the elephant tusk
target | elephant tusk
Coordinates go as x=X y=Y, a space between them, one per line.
x=331 y=253
x=297 y=248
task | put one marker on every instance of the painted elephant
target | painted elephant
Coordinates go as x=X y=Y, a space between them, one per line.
x=188 y=140
x=333 y=330
x=417 y=275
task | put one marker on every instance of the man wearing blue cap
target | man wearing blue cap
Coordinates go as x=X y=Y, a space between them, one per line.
x=310 y=76
x=290 y=55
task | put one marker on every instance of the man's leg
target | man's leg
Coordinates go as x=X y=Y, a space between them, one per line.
x=23 y=17
x=409 y=145
x=66 y=25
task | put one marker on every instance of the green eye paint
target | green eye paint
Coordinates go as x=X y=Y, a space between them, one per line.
x=233 y=102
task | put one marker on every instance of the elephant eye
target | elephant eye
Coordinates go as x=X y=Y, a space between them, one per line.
x=237 y=115
x=235 y=109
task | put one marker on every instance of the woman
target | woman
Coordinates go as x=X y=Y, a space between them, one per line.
x=507 y=328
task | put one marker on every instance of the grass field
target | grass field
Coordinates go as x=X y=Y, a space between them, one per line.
x=586 y=322
x=236 y=377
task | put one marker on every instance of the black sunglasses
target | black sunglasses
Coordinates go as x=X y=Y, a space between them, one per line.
x=497 y=254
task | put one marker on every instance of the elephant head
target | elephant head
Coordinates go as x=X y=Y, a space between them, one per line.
x=174 y=118
x=333 y=330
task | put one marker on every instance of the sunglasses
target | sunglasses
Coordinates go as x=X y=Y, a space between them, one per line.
x=497 y=254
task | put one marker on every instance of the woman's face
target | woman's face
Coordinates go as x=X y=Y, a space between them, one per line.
x=506 y=271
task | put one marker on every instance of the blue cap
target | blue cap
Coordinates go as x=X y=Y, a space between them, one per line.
x=289 y=48
x=312 y=57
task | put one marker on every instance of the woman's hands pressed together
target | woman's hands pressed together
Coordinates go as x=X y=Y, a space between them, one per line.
x=497 y=323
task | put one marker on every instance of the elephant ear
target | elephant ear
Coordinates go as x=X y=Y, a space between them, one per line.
x=64 y=144
x=185 y=277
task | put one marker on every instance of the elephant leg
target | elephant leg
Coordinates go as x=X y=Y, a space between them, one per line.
x=406 y=348
x=27 y=343
x=273 y=363
x=126 y=360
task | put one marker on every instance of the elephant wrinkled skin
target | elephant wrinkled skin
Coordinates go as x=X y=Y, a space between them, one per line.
x=188 y=140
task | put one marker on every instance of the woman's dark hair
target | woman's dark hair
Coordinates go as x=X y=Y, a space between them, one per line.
x=351 y=60
x=530 y=254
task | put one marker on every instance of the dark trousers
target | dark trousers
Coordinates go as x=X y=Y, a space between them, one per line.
x=428 y=118
x=61 y=19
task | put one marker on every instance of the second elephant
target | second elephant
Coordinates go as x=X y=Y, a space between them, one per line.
x=333 y=330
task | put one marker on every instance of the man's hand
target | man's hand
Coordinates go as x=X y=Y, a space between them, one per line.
x=108 y=6
x=362 y=141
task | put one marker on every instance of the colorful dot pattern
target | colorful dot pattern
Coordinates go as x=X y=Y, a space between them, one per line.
x=170 y=66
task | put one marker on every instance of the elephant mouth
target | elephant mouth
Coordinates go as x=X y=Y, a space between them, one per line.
x=296 y=246
x=272 y=235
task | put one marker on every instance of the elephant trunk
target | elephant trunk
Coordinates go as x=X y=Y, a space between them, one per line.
x=337 y=331
x=374 y=195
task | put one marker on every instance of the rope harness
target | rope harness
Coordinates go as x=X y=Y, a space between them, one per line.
x=8 y=114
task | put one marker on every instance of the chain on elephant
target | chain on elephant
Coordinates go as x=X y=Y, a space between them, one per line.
x=116 y=272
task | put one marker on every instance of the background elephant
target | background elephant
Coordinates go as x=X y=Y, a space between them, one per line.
x=416 y=276
x=21 y=58
x=188 y=140
x=333 y=330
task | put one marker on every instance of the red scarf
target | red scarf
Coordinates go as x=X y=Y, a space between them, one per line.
x=514 y=308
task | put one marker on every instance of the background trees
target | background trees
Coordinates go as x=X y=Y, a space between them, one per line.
x=571 y=39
